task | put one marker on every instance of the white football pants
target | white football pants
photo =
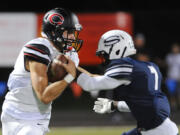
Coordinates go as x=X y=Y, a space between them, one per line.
x=12 y=126
x=166 y=128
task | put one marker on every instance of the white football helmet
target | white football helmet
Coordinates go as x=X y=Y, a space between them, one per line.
x=115 y=44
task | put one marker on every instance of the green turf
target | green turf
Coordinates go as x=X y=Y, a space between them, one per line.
x=89 y=130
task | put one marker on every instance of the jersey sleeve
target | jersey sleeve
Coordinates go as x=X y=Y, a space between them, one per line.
x=101 y=82
x=119 y=70
x=37 y=52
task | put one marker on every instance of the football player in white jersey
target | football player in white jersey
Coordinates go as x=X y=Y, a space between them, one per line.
x=27 y=106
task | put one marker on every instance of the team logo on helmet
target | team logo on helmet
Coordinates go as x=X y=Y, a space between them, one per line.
x=112 y=40
x=56 y=19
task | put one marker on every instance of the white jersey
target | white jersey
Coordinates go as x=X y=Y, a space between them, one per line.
x=21 y=101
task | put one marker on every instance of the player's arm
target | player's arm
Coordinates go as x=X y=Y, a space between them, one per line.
x=47 y=93
x=114 y=76
x=40 y=83
x=104 y=105
x=36 y=57
x=101 y=82
x=90 y=82
x=121 y=106
x=82 y=70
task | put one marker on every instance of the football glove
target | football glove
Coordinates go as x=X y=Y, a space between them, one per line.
x=73 y=56
x=103 y=105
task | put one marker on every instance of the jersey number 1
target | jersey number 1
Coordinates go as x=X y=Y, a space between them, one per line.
x=153 y=71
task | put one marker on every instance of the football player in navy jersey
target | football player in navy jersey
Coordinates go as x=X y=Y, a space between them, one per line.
x=137 y=86
x=27 y=106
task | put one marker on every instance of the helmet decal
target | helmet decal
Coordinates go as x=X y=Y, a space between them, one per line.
x=56 y=19
x=111 y=40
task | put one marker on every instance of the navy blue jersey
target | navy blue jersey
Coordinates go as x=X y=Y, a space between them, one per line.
x=143 y=95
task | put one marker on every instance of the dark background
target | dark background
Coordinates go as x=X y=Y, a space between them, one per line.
x=90 y=5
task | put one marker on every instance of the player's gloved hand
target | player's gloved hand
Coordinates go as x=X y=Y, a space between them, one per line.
x=69 y=67
x=103 y=105
x=73 y=56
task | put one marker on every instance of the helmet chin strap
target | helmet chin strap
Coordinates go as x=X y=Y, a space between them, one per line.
x=107 y=59
x=66 y=48
x=58 y=45
x=106 y=62
x=104 y=57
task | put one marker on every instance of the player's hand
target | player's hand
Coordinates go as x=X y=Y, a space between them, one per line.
x=73 y=56
x=70 y=67
x=103 y=105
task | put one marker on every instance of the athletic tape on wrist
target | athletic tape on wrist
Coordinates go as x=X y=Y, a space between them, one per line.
x=69 y=78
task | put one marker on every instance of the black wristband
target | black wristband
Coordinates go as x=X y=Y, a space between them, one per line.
x=113 y=108
x=77 y=73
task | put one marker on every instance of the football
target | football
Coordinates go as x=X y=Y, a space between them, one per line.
x=55 y=71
